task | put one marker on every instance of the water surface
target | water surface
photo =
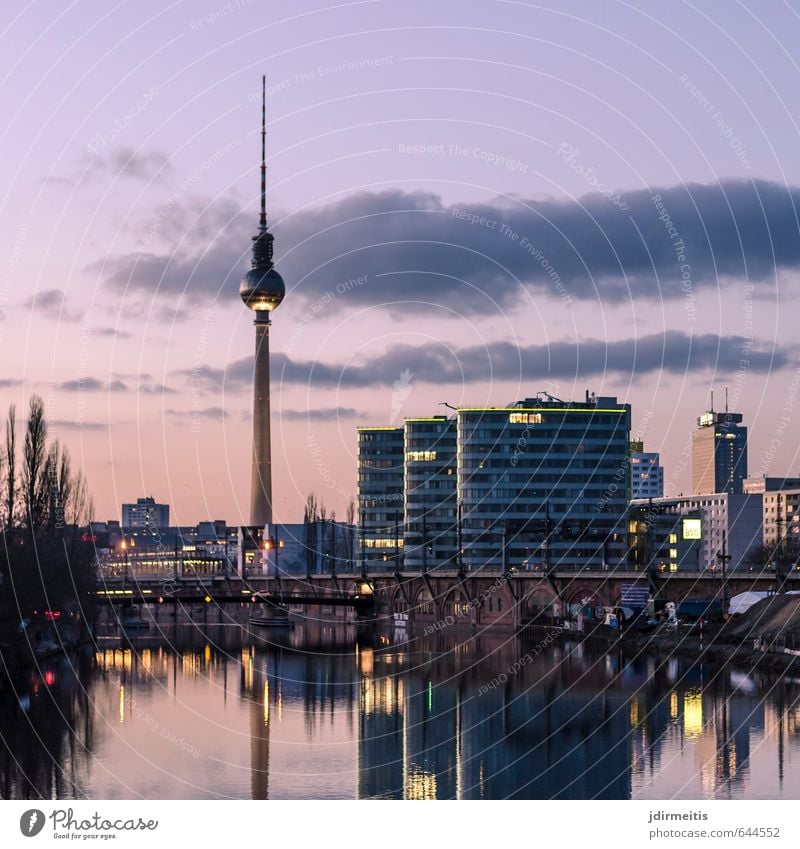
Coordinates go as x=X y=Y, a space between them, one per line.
x=325 y=711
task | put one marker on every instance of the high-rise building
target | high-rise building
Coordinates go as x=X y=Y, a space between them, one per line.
x=262 y=289
x=719 y=454
x=430 y=493
x=380 y=496
x=544 y=483
x=145 y=514
x=647 y=475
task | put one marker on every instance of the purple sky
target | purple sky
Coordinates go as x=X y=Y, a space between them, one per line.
x=488 y=174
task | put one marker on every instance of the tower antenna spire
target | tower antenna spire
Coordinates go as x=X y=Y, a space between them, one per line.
x=262 y=221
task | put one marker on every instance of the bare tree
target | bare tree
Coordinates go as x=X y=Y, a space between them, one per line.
x=34 y=454
x=10 y=493
x=310 y=516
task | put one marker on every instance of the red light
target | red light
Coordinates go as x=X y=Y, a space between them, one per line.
x=49 y=678
x=89 y=538
x=52 y=614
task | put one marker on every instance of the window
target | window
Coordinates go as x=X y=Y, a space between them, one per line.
x=673 y=539
x=524 y=418
x=421 y=456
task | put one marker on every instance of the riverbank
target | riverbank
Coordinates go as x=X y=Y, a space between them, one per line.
x=713 y=651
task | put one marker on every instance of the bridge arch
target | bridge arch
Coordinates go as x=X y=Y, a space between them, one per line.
x=424 y=604
x=540 y=602
x=399 y=602
x=578 y=596
x=456 y=605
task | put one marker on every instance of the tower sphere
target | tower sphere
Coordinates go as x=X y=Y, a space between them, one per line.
x=262 y=289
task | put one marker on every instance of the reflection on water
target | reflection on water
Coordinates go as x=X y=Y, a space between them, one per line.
x=325 y=712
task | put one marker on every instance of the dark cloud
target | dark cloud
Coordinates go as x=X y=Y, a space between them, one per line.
x=52 y=303
x=323 y=414
x=92 y=384
x=155 y=389
x=673 y=352
x=67 y=424
x=112 y=331
x=209 y=244
x=206 y=413
x=411 y=247
x=138 y=164
x=146 y=165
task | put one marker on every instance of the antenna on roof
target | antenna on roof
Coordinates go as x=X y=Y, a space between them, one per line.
x=726 y=399
x=712 y=400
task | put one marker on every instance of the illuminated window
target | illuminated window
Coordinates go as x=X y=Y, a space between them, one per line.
x=673 y=553
x=424 y=456
x=382 y=543
x=673 y=538
x=524 y=418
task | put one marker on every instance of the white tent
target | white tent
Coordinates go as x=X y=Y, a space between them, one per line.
x=744 y=601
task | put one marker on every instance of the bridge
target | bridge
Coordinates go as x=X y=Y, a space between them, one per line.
x=477 y=598
x=513 y=598
x=183 y=591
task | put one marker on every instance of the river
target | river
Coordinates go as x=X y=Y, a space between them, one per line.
x=324 y=711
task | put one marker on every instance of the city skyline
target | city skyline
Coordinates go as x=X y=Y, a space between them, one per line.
x=567 y=217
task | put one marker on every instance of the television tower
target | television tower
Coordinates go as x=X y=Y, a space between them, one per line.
x=262 y=289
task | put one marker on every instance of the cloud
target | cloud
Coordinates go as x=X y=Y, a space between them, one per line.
x=206 y=413
x=145 y=385
x=323 y=414
x=155 y=389
x=112 y=331
x=137 y=164
x=208 y=244
x=67 y=424
x=411 y=247
x=673 y=352
x=52 y=303
x=145 y=165
x=92 y=384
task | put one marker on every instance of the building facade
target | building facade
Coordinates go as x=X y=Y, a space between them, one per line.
x=145 y=514
x=732 y=523
x=782 y=522
x=719 y=454
x=769 y=484
x=381 y=473
x=664 y=541
x=430 y=493
x=647 y=475
x=544 y=483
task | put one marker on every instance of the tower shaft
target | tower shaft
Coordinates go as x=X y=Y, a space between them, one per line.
x=261 y=475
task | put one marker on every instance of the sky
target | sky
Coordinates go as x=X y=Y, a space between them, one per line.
x=471 y=203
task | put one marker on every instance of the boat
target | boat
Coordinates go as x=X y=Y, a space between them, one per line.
x=265 y=612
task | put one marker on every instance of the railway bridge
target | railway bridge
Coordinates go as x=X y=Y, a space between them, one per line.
x=476 y=598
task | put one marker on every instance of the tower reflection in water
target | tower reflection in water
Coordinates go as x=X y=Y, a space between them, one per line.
x=325 y=712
